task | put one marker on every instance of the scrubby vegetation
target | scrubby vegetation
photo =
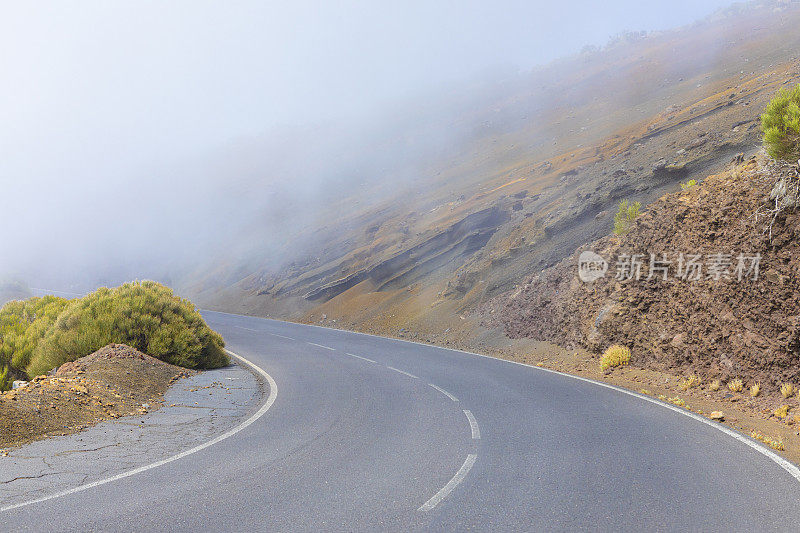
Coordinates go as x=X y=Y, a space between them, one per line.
x=688 y=383
x=781 y=125
x=735 y=385
x=615 y=356
x=787 y=389
x=688 y=185
x=775 y=444
x=680 y=402
x=715 y=385
x=23 y=324
x=625 y=216
x=39 y=334
x=782 y=411
x=755 y=390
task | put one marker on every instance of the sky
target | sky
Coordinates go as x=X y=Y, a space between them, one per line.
x=112 y=109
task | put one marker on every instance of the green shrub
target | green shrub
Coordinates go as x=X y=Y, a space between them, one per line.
x=781 y=125
x=625 y=216
x=23 y=323
x=688 y=185
x=5 y=379
x=145 y=315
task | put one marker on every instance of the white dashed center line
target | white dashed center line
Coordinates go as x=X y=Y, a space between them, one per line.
x=444 y=392
x=359 y=357
x=322 y=346
x=401 y=371
x=453 y=483
x=473 y=424
x=282 y=336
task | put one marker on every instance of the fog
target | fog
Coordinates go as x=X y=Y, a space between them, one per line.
x=143 y=138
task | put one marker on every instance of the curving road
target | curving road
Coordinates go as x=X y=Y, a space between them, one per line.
x=368 y=434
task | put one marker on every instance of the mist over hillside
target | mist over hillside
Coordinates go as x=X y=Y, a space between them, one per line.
x=279 y=211
x=518 y=172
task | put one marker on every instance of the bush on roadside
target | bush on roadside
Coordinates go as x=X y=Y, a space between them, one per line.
x=23 y=323
x=775 y=444
x=626 y=214
x=5 y=379
x=782 y=411
x=692 y=381
x=781 y=125
x=145 y=315
x=735 y=385
x=615 y=355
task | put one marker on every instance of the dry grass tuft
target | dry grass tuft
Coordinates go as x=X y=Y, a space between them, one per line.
x=735 y=385
x=787 y=389
x=755 y=390
x=677 y=401
x=616 y=355
x=782 y=411
x=715 y=385
x=688 y=383
x=769 y=441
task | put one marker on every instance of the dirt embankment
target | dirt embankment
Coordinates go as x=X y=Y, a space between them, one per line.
x=115 y=381
x=718 y=328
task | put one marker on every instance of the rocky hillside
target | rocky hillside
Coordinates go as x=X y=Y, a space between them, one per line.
x=541 y=161
x=727 y=307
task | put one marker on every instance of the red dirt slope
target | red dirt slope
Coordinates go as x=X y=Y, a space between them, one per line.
x=717 y=328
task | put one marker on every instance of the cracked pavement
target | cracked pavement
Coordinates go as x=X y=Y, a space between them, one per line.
x=195 y=409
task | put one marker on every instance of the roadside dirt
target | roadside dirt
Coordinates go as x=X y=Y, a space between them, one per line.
x=718 y=326
x=115 y=381
x=713 y=329
x=739 y=410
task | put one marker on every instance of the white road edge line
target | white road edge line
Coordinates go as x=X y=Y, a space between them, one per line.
x=321 y=346
x=401 y=371
x=473 y=424
x=790 y=468
x=444 y=392
x=273 y=393
x=359 y=357
x=453 y=483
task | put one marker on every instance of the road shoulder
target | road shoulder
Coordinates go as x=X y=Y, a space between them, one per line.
x=195 y=409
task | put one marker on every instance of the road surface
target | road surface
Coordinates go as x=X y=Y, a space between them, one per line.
x=369 y=434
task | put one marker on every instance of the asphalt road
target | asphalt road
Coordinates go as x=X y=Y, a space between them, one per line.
x=370 y=434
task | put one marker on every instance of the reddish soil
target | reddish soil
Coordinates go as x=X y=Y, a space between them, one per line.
x=115 y=381
x=722 y=328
